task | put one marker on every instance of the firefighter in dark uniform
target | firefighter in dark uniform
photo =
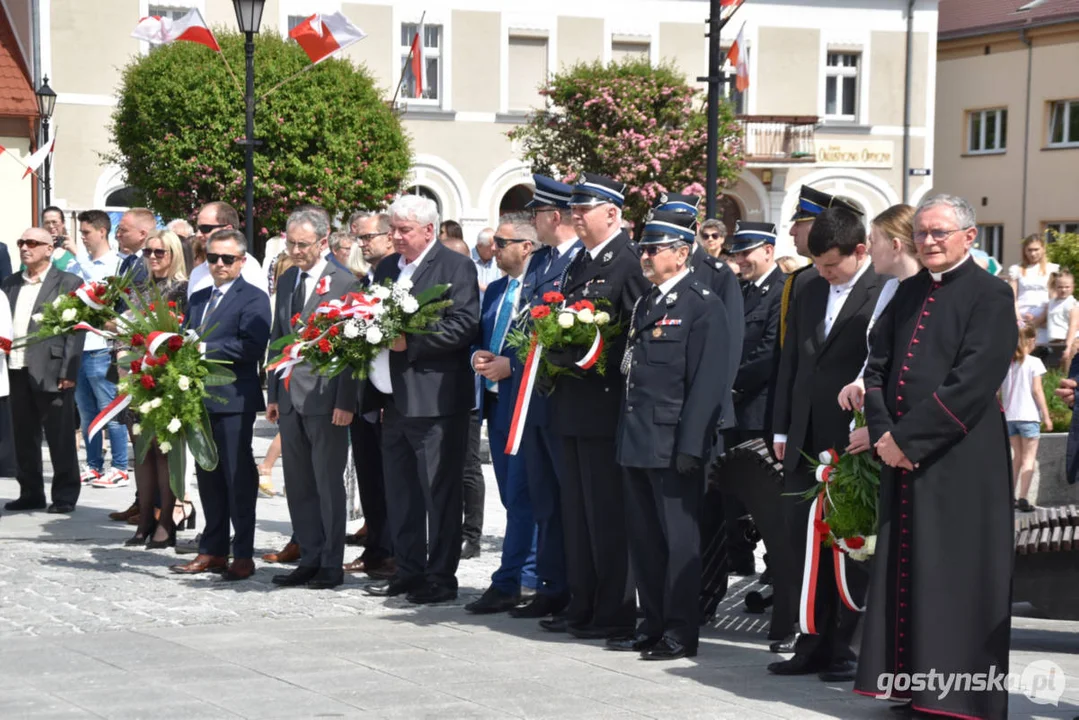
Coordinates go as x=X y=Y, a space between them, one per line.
x=678 y=386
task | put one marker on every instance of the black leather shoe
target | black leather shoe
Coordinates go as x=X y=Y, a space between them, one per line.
x=326 y=579
x=597 y=632
x=300 y=576
x=669 y=649
x=493 y=600
x=470 y=549
x=557 y=624
x=61 y=508
x=786 y=645
x=839 y=671
x=24 y=504
x=394 y=586
x=637 y=642
x=797 y=665
x=431 y=594
x=541 y=606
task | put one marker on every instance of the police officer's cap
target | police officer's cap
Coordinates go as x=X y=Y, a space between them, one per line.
x=550 y=193
x=750 y=235
x=592 y=189
x=812 y=202
x=676 y=202
x=663 y=227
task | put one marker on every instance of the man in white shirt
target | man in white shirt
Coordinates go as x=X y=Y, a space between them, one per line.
x=486 y=268
x=94 y=390
x=217 y=216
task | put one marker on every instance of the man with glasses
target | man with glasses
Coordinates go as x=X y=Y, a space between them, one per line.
x=678 y=385
x=42 y=377
x=940 y=352
x=234 y=321
x=372 y=232
x=221 y=216
x=584 y=410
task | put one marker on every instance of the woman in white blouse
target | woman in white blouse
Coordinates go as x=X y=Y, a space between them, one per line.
x=892 y=249
x=1030 y=282
x=8 y=468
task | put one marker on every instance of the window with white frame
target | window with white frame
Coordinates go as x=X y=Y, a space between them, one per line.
x=1067 y=227
x=991 y=240
x=841 y=86
x=988 y=131
x=171 y=12
x=295 y=20
x=630 y=48
x=432 y=64
x=527 y=72
x=1064 y=123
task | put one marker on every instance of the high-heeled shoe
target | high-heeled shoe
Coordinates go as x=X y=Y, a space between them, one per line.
x=186 y=519
x=136 y=540
x=168 y=542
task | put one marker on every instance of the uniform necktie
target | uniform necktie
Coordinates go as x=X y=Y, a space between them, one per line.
x=215 y=298
x=299 y=295
x=502 y=323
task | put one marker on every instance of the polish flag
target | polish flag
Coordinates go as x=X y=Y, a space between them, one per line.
x=321 y=36
x=737 y=57
x=190 y=27
x=416 y=53
x=38 y=158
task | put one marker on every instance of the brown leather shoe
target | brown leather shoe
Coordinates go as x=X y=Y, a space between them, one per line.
x=201 y=564
x=288 y=554
x=383 y=570
x=122 y=515
x=240 y=569
x=356 y=566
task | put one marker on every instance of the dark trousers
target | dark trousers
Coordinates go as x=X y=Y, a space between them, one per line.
x=36 y=412
x=663 y=508
x=593 y=513
x=739 y=547
x=367 y=454
x=542 y=453
x=230 y=490
x=835 y=623
x=474 y=487
x=518 y=566
x=425 y=457
x=313 y=454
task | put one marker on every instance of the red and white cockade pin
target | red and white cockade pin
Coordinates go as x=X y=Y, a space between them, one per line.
x=323 y=286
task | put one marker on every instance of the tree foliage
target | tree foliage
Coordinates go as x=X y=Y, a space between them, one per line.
x=1063 y=249
x=327 y=136
x=643 y=125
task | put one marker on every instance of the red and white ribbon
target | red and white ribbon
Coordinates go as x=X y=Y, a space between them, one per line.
x=106 y=416
x=593 y=353
x=807 y=605
x=524 y=398
x=839 y=559
x=323 y=286
x=156 y=339
x=90 y=328
x=290 y=359
x=85 y=292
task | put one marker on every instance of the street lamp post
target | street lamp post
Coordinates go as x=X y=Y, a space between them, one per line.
x=249 y=17
x=46 y=103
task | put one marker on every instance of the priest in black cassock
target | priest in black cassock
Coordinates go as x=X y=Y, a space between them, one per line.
x=940 y=594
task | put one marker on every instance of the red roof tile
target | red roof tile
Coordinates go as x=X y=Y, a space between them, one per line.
x=963 y=18
x=17 y=97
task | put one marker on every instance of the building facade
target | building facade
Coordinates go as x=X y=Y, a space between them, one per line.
x=825 y=104
x=1008 y=117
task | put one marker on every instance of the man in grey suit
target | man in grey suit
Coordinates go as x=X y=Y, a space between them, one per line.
x=426 y=417
x=42 y=379
x=315 y=411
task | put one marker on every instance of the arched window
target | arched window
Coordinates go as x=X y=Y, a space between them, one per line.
x=515 y=199
x=426 y=192
x=125 y=197
x=728 y=210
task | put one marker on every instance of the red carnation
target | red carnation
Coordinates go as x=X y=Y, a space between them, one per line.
x=137 y=340
x=375 y=300
x=149 y=361
x=136 y=367
x=821 y=527
x=335 y=330
x=295 y=318
x=147 y=382
x=71 y=294
x=324 y=346
x=162 y=359
x=175 y=343
x=855 y=543
x=584 y=305
x=310 y=333
x=541 y=312
x=127 y=291
x=553 y=297
x=172 y=304
x=333 y=314
x=151 y=308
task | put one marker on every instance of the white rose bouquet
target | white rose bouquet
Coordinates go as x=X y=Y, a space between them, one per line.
x=87 y=307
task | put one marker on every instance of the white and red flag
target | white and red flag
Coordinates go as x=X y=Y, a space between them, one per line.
x=38 y=158
x=162 y=30
x=739 y=59
x=416 y=56
x=321 y=36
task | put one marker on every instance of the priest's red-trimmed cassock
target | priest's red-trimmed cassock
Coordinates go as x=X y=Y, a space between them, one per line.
x=940 y=595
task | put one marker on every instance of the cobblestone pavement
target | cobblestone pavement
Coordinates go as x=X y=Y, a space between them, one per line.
x=90 y=628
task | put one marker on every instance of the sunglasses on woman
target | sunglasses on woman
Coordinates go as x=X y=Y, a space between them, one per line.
x=158 y=253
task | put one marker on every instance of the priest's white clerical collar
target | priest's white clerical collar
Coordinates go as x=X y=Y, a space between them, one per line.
x=937 y=277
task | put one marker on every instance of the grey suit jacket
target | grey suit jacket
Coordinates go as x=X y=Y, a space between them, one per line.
x=56 y=358
x=310 y=393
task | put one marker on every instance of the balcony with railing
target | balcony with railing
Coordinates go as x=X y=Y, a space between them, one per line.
x=779 y=138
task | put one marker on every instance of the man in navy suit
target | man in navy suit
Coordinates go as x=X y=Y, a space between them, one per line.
x=233 y=318
x=541 y=448
x=494 y=361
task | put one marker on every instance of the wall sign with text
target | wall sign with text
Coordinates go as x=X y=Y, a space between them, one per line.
x=856 y=153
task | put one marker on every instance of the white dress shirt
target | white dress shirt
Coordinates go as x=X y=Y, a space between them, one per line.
x=313 y=276
x=24 y=310
x=408 y=269
x=594 y=252
x=97 y=270
x=200 y=277
x=837 y=298
x=666 y=285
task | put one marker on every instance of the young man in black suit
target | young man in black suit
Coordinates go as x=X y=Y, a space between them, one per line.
x=824 y=347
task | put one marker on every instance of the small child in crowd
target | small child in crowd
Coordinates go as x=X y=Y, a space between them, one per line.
x=1024 y=403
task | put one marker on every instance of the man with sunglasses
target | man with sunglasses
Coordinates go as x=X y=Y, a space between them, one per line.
x=234 y=320
x=678 y=379
x=215 y=216
x=584 y=411
x=42 y=377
